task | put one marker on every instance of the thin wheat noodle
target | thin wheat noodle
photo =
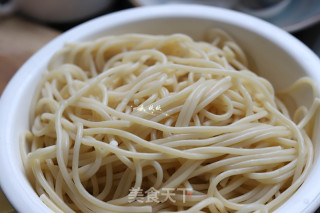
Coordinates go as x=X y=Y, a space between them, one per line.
x=121 y=116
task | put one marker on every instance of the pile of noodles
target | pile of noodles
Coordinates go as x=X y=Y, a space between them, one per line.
x=122 y=116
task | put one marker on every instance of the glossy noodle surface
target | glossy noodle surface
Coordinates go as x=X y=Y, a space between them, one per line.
x=163 y=123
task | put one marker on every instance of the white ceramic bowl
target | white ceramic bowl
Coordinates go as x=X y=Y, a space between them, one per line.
x=279 y=57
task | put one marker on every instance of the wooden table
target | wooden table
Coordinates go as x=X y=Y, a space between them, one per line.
x=19 y=39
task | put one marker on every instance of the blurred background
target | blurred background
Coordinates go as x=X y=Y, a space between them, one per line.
x=27 y=25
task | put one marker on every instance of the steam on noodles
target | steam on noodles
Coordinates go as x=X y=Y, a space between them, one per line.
x=150 y=123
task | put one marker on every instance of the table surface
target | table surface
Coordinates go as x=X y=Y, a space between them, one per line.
x=21 y=37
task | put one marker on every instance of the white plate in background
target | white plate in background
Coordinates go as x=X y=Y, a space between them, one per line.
x=296 y=16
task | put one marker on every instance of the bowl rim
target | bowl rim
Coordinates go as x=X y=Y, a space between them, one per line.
x=12 y=186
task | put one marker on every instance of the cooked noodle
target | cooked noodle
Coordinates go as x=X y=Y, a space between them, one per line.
x=123 y=116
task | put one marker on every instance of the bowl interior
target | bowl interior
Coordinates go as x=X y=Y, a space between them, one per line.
x=277 y=56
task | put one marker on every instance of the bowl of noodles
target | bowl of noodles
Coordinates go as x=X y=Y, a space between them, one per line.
x=175 y=108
